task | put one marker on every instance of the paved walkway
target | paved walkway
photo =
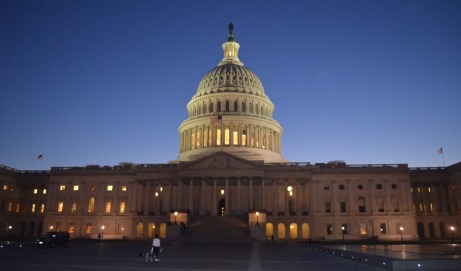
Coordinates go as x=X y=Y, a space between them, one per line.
x=230 y=256
x=400 y=256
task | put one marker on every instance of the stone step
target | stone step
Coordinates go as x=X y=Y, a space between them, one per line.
x=217 y=229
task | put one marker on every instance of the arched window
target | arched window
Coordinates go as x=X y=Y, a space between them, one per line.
x=91 y=205
x=226 y=136
x=219 y=106
x=244 y=137
x=211 y=108
x=244 y=109
x=227 y=106
x=235 y=106
x=218 y=137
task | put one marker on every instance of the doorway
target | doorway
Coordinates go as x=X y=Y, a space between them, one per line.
x=221 y=207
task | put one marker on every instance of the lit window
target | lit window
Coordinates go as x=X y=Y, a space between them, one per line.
x=5 y=187
x=124 y=188
x=108 y=205
x=89 y=228
x=429 y=189
x=75 y=188
x=74 y=207
x=244 y=138
x=91 y=205
x=235 y=138
x=18 y=207
x=226 y=136
x=60 y=206
x=42 y=208
x=62 y=187
x=218 y=137
x=44 y=191
x=10 y=206
x=72 y=228
x=33 y=208
x=110 y=187
x=122 y=207
x=35 y=191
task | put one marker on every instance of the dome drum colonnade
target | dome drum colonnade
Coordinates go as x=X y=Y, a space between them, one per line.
x=231 y=112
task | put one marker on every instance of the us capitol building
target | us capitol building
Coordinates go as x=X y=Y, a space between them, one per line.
x=230 y=173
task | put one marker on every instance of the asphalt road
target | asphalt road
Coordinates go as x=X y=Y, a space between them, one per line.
x=122 y=255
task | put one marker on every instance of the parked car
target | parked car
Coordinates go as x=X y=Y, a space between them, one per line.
x=53 y=238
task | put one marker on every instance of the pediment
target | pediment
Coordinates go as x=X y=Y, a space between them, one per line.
x=221 y=161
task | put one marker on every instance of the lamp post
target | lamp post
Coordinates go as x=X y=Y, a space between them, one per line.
x=452 y=233
x=102 y=230
x=401 y=234
x=175 y=215
x=257 y=220
x=290 y=190
x=342 y=230
x=10 y=228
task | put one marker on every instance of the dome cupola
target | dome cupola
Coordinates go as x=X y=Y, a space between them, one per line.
x=230 y=112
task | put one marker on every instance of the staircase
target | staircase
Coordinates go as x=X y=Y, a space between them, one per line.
x=217 y=229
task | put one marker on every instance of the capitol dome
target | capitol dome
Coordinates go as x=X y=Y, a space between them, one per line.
x=230 y=78
x=231 y=112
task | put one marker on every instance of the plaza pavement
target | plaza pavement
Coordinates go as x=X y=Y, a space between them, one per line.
x=239 y=255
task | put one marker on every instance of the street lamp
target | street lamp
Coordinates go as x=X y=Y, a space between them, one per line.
x=342 y=229
x=102 y=229
x=222 y=191
x=401 y=234
x=175 y=215
x=452 y=233
x=290 y=190
x=257 y=215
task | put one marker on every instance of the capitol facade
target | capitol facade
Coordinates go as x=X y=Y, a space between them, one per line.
x=230 y=168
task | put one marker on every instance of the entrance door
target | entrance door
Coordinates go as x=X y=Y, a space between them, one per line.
x=221 y=207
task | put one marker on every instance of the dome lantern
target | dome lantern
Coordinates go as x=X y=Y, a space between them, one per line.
x=231 y=49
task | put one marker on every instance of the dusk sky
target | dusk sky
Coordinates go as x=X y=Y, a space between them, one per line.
x=104 y=82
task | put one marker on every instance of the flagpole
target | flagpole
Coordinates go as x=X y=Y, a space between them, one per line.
x=221 y=134
x=443 y=155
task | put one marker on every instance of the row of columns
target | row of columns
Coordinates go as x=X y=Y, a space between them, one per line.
x=207 y=136
x=180 y=197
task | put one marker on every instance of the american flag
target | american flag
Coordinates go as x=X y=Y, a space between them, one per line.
x=39 y=157
x=440 y=151
x=216 y=119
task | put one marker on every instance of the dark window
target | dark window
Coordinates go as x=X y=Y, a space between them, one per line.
x=327 y=207
x=235 y=106
x=343 y=206
x=227 y=106
x=379 y=186
x=362 y=205
x=360 y=187
x=394 y=186
x=341 y=187
x=326 y=188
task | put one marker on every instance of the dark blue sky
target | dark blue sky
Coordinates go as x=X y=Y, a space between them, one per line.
x=103 y=82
